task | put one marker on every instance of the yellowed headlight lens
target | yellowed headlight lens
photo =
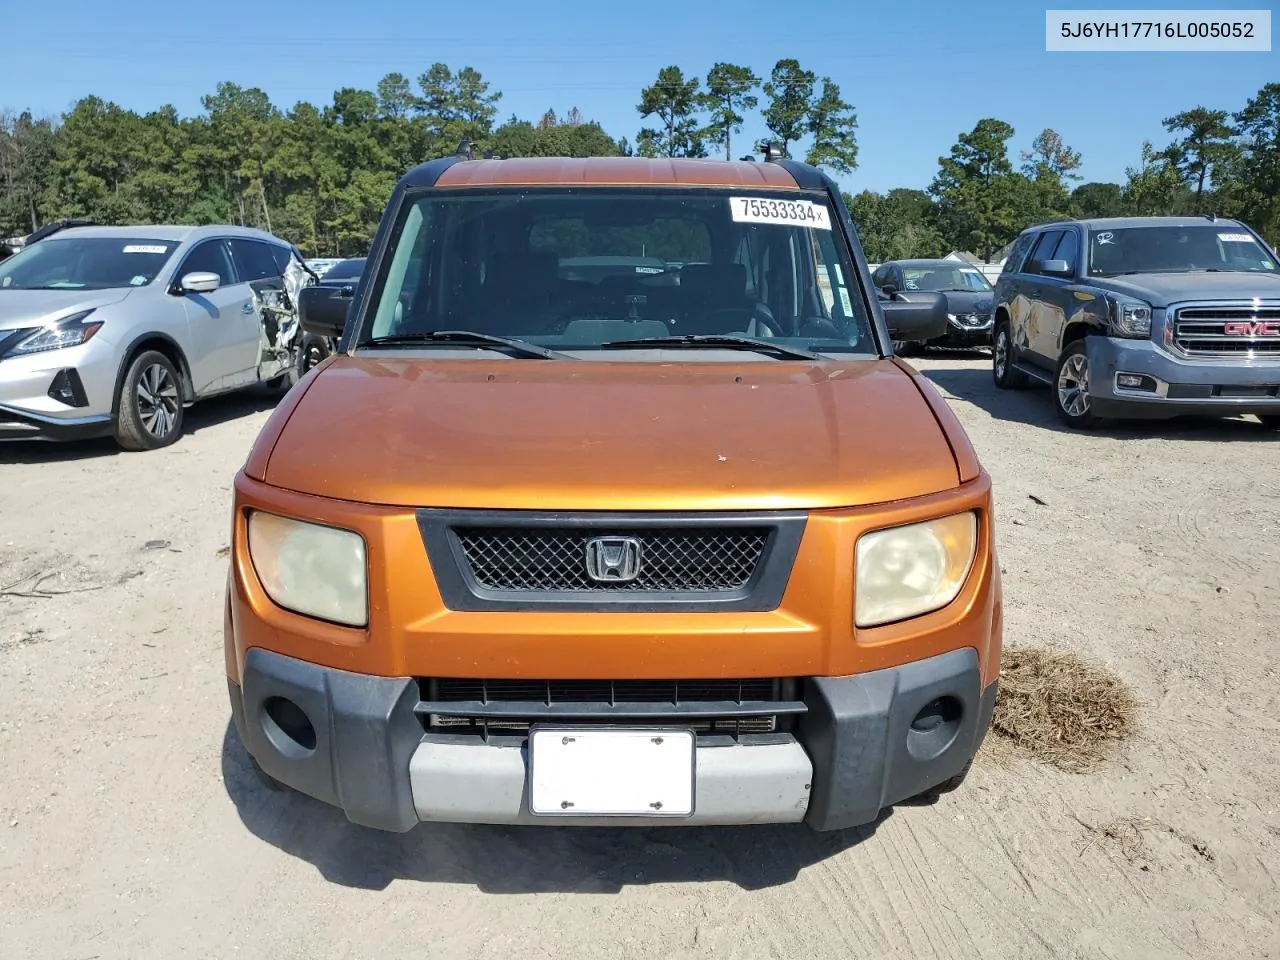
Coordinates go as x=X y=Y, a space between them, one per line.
x=911 y=570
x=310 y=569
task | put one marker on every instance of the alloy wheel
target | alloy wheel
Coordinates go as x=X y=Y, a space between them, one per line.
x=158 y=401
x=1073 y=386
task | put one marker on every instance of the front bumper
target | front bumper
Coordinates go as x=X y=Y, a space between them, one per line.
x=854 y=752
x=59 y=394
x=1177 y=387
x=967 y=330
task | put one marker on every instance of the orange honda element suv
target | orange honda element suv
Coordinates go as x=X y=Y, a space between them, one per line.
x=613 y=506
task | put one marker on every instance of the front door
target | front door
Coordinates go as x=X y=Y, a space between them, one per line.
x=224 y=323
x=1035 y=323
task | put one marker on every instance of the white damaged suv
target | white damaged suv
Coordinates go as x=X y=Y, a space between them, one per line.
x=114 y=331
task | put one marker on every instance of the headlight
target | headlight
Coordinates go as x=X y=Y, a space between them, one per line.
x=1130 y=318
x=68 y=332
x=914 y=569
x=311 y=569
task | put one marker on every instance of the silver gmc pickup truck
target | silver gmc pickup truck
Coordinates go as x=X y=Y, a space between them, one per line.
x=1142 y=317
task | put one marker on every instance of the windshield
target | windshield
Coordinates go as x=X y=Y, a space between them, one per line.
x=579 y=268
x=940 y=279
x=346 y=270
x=86 y=263
x=1175 y=250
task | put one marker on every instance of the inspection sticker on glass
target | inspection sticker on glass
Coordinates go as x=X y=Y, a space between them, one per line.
x=1235 y=238
x=144 y=248
x=796 y=213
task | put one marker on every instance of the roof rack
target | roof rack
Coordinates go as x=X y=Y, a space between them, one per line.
x=750 y=156
x=490 y=155
x=466 y=150
x=51 y=228
x=773 y=152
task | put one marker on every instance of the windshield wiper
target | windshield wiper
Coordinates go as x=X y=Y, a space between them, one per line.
x=468 y=338
x=715 y=340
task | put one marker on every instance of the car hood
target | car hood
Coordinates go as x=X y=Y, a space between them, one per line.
x=965 y=301
x=591 y=435
x=1162 y=289
x=34 y=308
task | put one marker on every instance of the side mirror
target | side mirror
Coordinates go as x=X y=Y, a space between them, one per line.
x=1056 y=268
x=322 y=310
x=921 y=318
x=199 y=282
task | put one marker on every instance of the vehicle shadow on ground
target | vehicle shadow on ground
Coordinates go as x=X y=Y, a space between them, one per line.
x=208 y=413
x=508 y=860
x=1033 y=406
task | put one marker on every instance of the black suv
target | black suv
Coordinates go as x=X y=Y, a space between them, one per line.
x=1142 y=317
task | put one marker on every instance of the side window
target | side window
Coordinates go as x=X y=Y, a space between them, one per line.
x=211 y=256
x=1043 y=250
x=254 y=260
x=282 y=255
x=1068 y=249
x=1019 y=253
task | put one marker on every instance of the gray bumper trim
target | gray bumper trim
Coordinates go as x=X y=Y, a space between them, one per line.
x=480 y=783
x=865 y=754
x=854 y=754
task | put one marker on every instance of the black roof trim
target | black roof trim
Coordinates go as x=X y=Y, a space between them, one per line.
x=51 y=228
x=806 y=176
x=426 y=174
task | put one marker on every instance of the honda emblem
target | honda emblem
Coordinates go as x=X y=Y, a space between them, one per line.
x=613 y=559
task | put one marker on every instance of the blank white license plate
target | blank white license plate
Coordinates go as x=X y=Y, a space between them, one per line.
x=631 y=772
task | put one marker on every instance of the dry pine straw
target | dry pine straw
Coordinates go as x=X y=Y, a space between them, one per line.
x=1060 y=708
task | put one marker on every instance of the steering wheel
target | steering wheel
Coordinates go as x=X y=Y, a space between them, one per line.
x=744 y=316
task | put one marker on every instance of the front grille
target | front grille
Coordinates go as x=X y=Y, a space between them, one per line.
x=1241 y=331
x=510 y=707
x=679 y=560
x=605 y=691
x=973 y=320
x=638 y=562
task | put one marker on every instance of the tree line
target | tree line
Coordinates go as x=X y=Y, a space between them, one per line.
x=320 y=176
x=1218 y=162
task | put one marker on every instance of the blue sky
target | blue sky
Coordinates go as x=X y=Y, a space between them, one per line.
x=918 y=74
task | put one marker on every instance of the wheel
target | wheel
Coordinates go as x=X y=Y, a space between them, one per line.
x=311 y=351
x=947 y=786
x=150 y=403
x=1002 y=369
x=1071 y=388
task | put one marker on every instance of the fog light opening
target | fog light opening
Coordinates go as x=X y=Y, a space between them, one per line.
x=67 y=388
x=288 y=727
x=934 y=728
x=1136 y=382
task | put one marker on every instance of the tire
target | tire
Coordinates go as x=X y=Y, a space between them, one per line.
x=946 y=786
x=149 y=406
x=1002 y=369
x=311 y=350
x=1071 y=389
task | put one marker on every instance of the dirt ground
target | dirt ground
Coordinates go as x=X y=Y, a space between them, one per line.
x=130 y=826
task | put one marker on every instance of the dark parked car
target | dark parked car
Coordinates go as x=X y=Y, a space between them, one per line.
x=967 y=291
x=1142 y=317
x=340 y=281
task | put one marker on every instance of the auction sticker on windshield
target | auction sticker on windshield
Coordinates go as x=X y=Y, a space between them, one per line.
x=799 y=213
